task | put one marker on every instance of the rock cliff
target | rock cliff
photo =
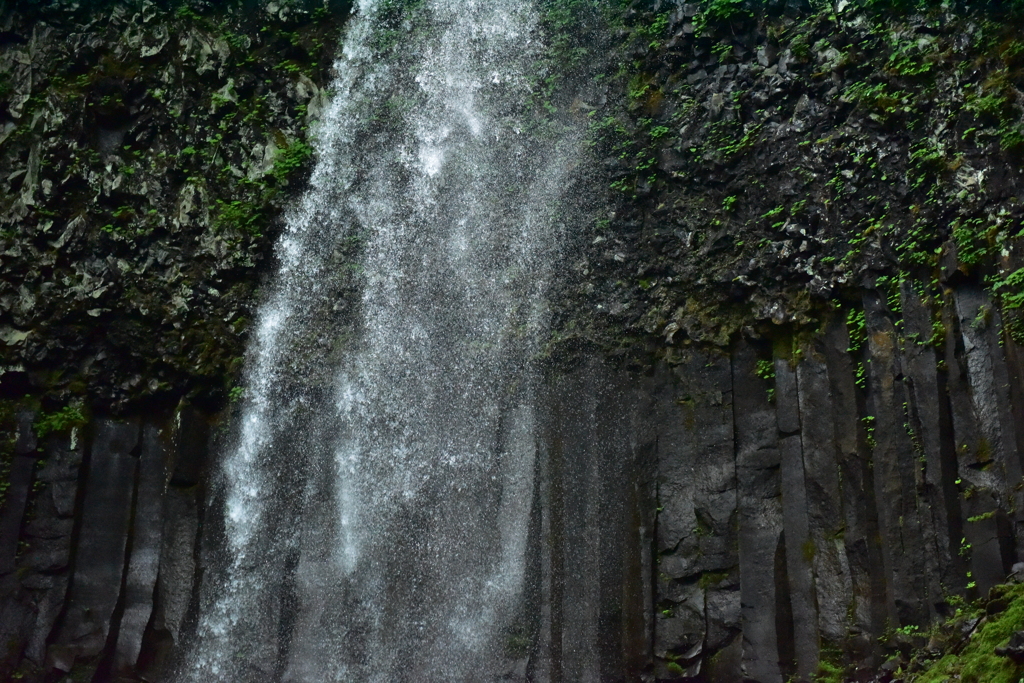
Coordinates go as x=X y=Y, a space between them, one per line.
x=785 y=392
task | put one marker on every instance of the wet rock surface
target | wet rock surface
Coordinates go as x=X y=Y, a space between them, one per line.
x=806 y=527
x=103 y=575
x=786 y=390
x=766 y=166
x=148 y=152
x=829 y=199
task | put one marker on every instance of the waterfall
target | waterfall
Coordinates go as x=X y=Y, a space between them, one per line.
x=371 y=513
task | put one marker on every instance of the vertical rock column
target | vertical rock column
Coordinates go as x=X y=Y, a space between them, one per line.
x=896 y=458
x=147 y=534
x=178 y=570
x=102 y=543
x=980 y=327
x=50 y=535
x=759 y=502
x=35 y=539
x=697 y=595
x=987 y=462
x=98 y=545
x=860 y=535
x=799 y=549
x=865 y=495
x=824 y=499
x=1011 y=338
x=595 y=559
x=19 y=481
x=13 y=612
x=927 y=423
x=624 y=446
x=581 y=527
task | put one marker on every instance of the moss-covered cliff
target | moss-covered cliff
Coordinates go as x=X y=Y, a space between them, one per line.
x=148 y=151
x=768 y=166
x=829 y=195
x=802 y=250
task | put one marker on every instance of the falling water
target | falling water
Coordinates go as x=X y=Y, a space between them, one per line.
x=377 y=492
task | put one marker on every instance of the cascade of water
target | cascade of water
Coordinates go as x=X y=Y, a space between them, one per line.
x=378 y=490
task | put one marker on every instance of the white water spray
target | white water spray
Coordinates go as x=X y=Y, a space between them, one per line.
x=377 y=494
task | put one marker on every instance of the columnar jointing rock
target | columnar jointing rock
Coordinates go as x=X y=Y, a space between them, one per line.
x=857 y=491
x=105 y=525
x=376 y=497
x=405 y=497
x=742 y=514
x=103 y=581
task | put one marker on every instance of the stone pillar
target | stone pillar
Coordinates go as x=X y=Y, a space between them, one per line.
x=760 y=515
x=100 y=554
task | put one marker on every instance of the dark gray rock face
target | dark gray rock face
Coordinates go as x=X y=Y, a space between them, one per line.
x=759 y=503
x=149 y=149
x=875 y=482
x=727 y=515
x=743 y=512
x=809 y=493
x=863 y=496
x=147 y=537
x=99 y=559
x=102 y=581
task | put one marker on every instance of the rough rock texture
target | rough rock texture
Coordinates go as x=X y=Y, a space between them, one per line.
x=103 y=579
x=782 y=421
x=814 y=496
x=820 y=206
x=763 y=165
x=148 y=151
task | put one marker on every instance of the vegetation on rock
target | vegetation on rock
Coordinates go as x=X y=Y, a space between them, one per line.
x=765 y=167
x=151 y=149
x=762 y=175
x=964 y=647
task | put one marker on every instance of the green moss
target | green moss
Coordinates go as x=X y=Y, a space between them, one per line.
x=829 y=672
x=716 y=13
x=292 y=158
x=711 y=579
x=674 y=669
x=60 y=421
x=809 y=550
x=978 y=662
x=880 y=99
x=244 y=216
